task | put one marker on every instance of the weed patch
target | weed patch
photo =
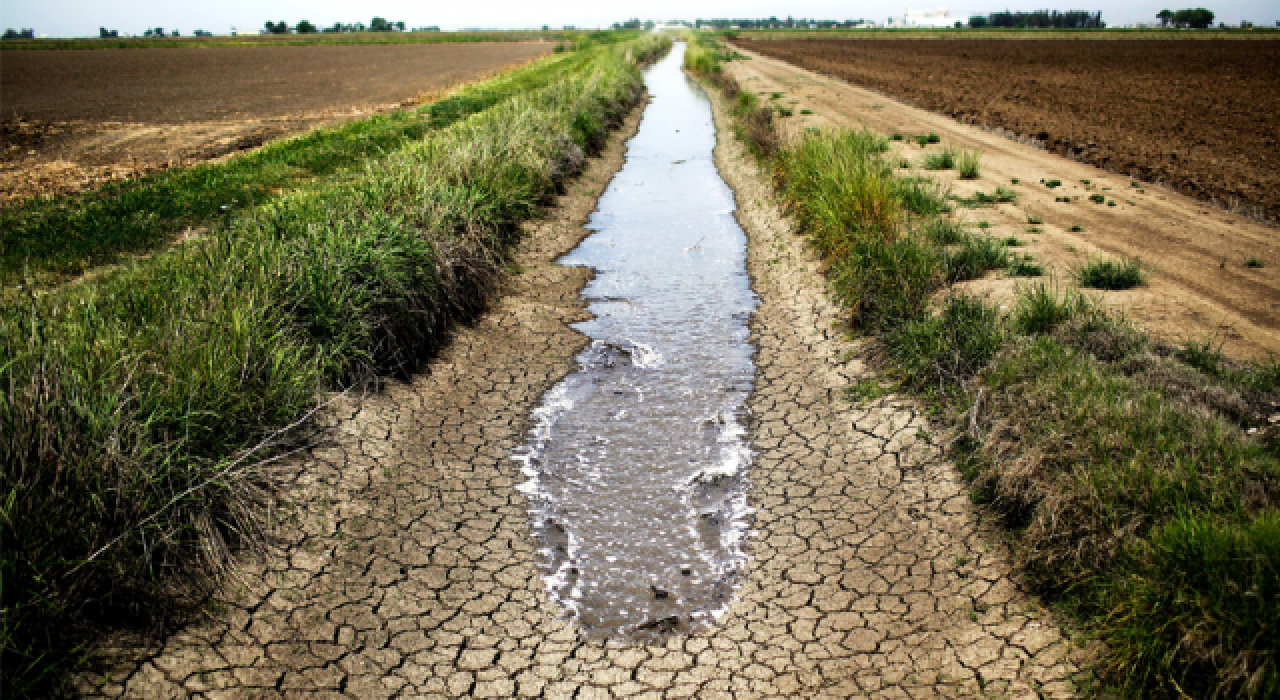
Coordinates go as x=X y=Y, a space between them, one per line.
x=1111 y=274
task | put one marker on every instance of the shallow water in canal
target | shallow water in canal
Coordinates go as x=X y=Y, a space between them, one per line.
x=637 y=466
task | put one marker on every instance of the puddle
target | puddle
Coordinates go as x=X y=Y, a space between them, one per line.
x=637 y=466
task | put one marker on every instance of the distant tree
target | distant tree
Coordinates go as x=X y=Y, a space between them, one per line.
x=400 y=26
x=649 y=24
x=305 y=27
x=977 y=22
x=1165 y=17
x=175 y=33
x=104 y=33
x=19 y=34
x=1197 y=18
x=276 y=27
x=379 y=25
x=201 y=32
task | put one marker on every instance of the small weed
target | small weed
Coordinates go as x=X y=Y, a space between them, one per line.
x=984 y=224
x=933 y=138
x=1034 y=220
x=1034 y=229
x=967 y=163
x=1062 y=199
x=1085 y=182
x=943 y=232
x=806 y=111
x=1013 y=242
x=1142 y=191
x=1111 y=274
x=868 y=389
x=776 y=96
x=1015 y=180
x=1111 y=203
x=897 y=136
x=922 y=139
x=783 y=111
x=1133 y=183
x=1052 y=183
x=1097 y=198
x=1075 y=228
x=1254 y=261
x=1025 y=266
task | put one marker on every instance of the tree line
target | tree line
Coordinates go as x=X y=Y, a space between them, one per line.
x=377 y=24
x=1039 y=19
x=1197 y=18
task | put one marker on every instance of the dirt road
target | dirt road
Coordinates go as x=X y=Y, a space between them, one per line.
x=1200 y=287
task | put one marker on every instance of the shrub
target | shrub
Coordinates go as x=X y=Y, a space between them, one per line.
x=1111 y=274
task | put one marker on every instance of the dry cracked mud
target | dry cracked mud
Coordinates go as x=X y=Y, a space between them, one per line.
x=410 y=570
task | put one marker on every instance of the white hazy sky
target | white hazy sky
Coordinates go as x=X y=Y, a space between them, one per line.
x=83 y=17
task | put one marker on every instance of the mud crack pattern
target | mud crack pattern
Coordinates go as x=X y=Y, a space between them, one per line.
x=410 y=570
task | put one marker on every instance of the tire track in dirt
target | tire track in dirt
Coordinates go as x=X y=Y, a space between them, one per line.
x=410 y=570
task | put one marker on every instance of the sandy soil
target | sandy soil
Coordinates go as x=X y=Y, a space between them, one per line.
x=1199 y=287
x=76 y=119
x=410 y=570
x=1198 y=116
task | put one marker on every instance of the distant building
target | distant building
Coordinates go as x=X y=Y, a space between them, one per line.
x=928 y=18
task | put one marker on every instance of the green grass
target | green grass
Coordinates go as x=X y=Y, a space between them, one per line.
x=137 y=408
x=1254 y=262
x=1111 y=274
x=968 y=164
x=940 y=160
x=1136 y=500
x=1024 y=266
x=47 y=242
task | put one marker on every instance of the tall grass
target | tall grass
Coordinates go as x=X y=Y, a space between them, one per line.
x=44 y=242
x=139 y=411
x=1136 y=497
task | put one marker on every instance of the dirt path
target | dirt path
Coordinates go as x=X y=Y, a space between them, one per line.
x=1199 y=287
x=411 y=571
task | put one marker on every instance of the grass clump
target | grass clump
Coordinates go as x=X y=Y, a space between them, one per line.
x=1097 y=198
x=940 y=160
x=1254 y=262
x=140 y=409
x=1024 y=266
x=1052 y=183
x=1111 y=275
x=968 y=165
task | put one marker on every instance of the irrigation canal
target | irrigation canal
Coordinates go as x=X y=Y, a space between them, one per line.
x=637 y=465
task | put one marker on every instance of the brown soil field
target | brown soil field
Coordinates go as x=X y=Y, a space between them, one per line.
x=1202 y=117
x=72 y=119
x=1199 y=288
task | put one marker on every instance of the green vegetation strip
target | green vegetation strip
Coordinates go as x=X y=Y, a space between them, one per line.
x=45 y=242
x=1140 y=482
x=140 y=410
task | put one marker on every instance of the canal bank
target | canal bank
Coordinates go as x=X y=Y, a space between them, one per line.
x=414 y=572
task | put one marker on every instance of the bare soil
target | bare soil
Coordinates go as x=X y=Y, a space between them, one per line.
x=75 y=119
x=1199 y=287
x=1202 y=117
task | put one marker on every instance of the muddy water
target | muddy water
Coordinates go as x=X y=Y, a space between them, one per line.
x=637 y=466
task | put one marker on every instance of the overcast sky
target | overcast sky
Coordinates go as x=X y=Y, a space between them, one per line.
x=83 y=17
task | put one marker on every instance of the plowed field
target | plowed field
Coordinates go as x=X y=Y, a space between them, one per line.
x=1202 y=117
x=73 y=119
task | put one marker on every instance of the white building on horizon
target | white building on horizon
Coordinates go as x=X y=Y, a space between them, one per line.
x=928 y=18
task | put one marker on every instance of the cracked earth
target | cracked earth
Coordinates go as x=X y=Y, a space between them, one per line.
x=409 y=570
